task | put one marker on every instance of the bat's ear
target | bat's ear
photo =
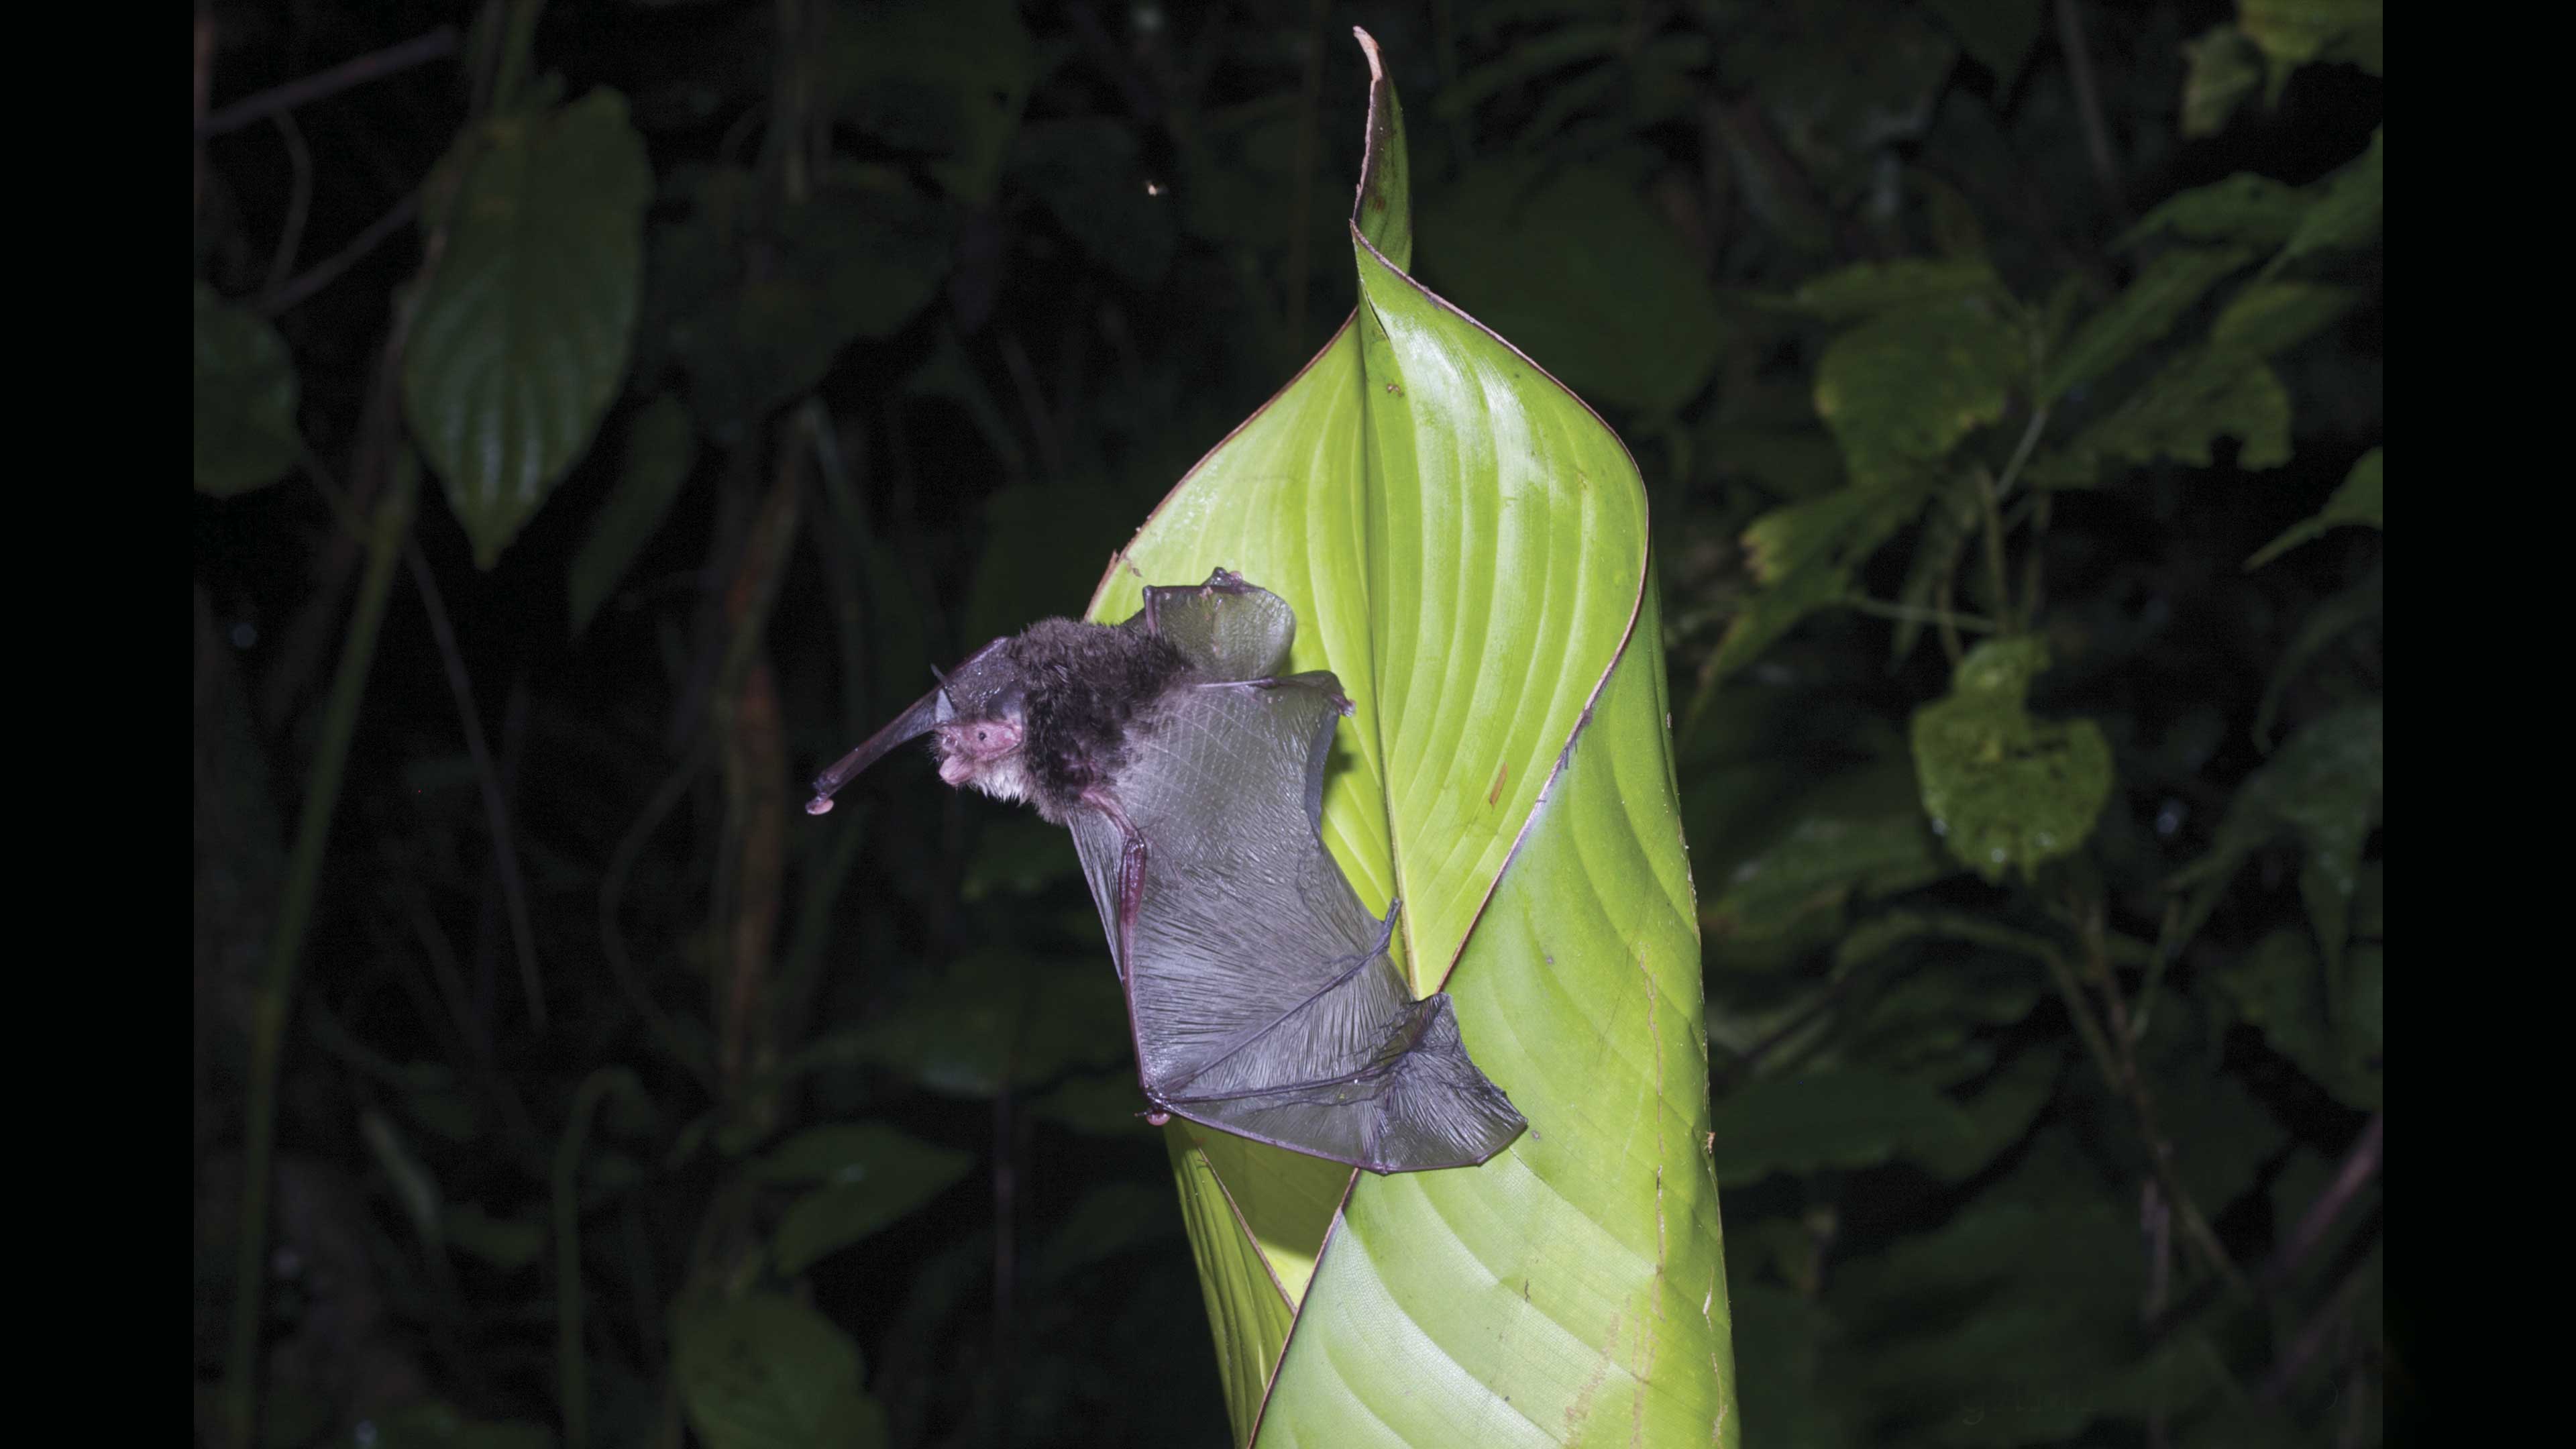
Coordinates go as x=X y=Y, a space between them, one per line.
x=927 y=713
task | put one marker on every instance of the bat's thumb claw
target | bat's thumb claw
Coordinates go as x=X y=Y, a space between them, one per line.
x=819 y=805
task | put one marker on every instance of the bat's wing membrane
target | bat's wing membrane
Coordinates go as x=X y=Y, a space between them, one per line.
x=1263 y=999
x=1227 y=628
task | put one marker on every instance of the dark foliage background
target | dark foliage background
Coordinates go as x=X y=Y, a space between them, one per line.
x=677 y=382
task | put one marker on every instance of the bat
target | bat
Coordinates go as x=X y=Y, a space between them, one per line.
x=1261 y=993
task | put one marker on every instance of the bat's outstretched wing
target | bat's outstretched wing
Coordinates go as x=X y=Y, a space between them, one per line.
x=1261 y=992
x=1229 y=629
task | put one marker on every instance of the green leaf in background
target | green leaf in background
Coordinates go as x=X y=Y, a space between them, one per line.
x=1465 y=546
x=2293 y=33
x=441 y=1425
x=2356 y=501
x=764 y=1372
x=2221 y=69
x=870 y=1175
x=1806 y=557
x=1996 y=34
x=1903 y=388
x=941 y=79
x=2324 y=788
x=1626 y=315
x=660 y=447
x=522 y=338
x=2004 y=789
x=856 y=260
x=244 y=399
x=2167 y=287
x=1866 y=289
x=1822 y=861
x=1839 y=1117
x=2272 y=317
x=2254 y=210
x=2281 y=989
x=997 y=1014
x=2201 y=396
x=2347 y=212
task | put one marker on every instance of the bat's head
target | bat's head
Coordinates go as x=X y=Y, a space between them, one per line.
x=976 y=719
x=981 y=718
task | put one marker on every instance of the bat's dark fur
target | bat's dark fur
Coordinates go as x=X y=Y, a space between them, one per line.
x=1084 y=686
x=1263 y=996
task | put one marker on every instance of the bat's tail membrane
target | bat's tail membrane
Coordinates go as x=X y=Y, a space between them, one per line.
x=1420 y=1106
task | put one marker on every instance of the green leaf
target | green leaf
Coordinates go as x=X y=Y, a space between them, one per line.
x=2145 y=312
x=1840 y=1117
x=660 y=448
x=1806 y=557
x=1820 y=863
x=1102 y=1104
x=995 y=1015
x=1583 y=276
x=2254 y=210
x=857 y=260
x=1866 y=289
x=2347 y=210
x=871 y=1175
x=1110 y=1220
x=440 y=1425
x=764 y=1372
x=2201 y=396
x=244 y=399
x=2280 y=988
x=2221 y=69
x=2328 y=621
x=2294 y=33
x=2356 y=501
x=943 y=80
x=2003 y=789
x=522 y=337
x=2272 y=317
x=2324 y=788
x=1903 y=388
x=1997 y=34
x=1464 y=545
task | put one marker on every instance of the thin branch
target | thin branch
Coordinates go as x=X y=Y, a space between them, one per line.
x=1024 y=381
x=374 y=65
x=2312 y=1335
x=1995 y=563
x=496 y=811
x=612 y=937
x=2132 y=1082
x=2088 y=104
x=205 y=79
x=2360 y=1165
x=299 y=204
x=274 y=1003
x=286 y=298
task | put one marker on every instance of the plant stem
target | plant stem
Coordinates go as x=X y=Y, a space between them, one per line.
x=1995 y=567
x=1862 y=603
x=274 y=1004
x=573 y=1373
